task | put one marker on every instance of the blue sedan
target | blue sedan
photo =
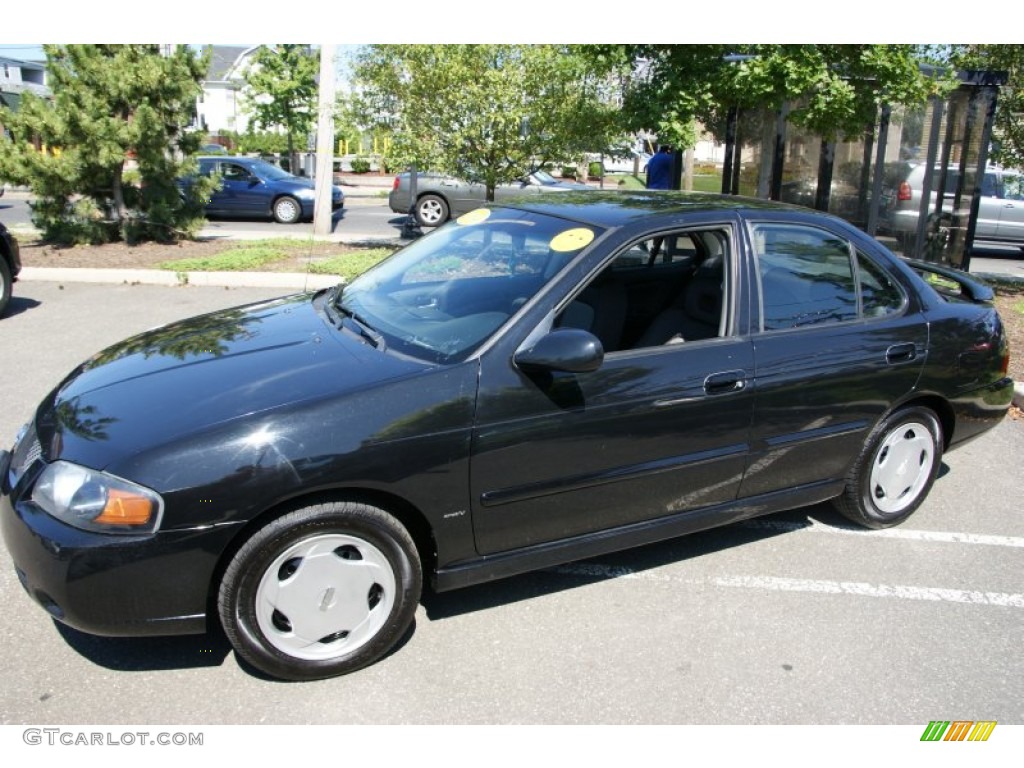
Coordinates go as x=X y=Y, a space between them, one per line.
x=253 y=187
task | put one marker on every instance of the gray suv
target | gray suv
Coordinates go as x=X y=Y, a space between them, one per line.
x=1000 y=210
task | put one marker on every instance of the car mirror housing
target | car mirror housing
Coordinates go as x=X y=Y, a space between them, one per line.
x=568 y=350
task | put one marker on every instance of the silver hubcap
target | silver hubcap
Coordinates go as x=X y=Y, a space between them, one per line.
x=325 y=596
x=902 y=467
x=430 y=212
x=286 y=210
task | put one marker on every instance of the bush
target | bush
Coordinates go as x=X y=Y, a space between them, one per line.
x=568 y=172
x=80 y=223
x=360 y=165
x=595 y=170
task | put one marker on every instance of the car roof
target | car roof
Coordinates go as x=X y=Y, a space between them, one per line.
x=228 y=158
x=620 y=208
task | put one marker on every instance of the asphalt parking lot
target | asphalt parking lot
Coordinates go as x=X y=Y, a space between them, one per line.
x=790 y=619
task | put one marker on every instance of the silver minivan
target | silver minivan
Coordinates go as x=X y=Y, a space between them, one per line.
x=1000 y=210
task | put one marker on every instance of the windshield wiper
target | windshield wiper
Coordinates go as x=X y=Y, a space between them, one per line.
x=364 y=328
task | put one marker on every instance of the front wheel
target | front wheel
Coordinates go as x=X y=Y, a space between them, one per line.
x=287 y=210
x=322 y=591
x=895 y=470
x=5 y=284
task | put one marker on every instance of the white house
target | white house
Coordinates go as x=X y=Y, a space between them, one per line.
x=220 y=107
x=18 y=77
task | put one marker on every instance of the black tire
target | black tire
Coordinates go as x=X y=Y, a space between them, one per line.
x=895 y=470
x=321 y=591
x=5 y=284
x=432 y=211
x=287 y=210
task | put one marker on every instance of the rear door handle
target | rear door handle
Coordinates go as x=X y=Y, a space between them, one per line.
x=901 y=353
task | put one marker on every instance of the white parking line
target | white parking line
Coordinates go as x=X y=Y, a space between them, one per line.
x=777 y=584
x=907 y=534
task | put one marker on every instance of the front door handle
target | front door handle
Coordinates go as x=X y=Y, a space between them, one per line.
x=901 y=353
x=725 y=382
x=722 y=383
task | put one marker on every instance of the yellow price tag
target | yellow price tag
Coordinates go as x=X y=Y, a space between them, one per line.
x=474 y=217
x=571 y=240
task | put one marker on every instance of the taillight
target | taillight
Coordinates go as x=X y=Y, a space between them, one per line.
x=395 y=184
x=904 y=192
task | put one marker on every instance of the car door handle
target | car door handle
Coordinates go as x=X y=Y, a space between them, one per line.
x=901 y=353
x=715 y=384
x=725 y=382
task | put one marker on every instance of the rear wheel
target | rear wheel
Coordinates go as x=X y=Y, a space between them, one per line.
x=895 y=471
x=431 y=211
x=322 y=591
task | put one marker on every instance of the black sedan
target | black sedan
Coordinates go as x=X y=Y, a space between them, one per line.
x=10 y=264
x=526 y=386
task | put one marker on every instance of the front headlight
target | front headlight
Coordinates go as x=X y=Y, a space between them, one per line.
x=96 y=501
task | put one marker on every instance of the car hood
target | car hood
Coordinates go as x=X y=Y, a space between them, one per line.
x=191 y=376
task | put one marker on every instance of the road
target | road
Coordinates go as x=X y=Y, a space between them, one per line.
x=366 y=216
x=791 y=619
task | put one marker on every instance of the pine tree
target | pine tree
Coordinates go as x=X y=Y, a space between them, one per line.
x=102 y=157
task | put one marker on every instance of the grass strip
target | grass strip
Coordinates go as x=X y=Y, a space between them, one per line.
x=239 y=258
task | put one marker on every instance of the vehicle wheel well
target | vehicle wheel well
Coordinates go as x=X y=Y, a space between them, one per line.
x=407 y=514
x=942 y=409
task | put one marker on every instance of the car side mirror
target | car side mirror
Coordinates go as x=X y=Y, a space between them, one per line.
x=569 y=350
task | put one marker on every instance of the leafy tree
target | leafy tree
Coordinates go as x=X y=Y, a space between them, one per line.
x=1008 y=147
x=113 y=105
x=283 y=91
x=486 y=113
x=835 y=90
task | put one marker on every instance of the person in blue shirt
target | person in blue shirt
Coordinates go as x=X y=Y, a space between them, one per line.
x=659 y=169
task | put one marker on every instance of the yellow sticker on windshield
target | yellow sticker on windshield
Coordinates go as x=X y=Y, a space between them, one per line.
x=474 y=217
x=571 y=240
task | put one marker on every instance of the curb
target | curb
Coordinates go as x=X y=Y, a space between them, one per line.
x=286 y=280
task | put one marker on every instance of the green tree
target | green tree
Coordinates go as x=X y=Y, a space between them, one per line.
x=486 y=113
x=113 y=106
x=283 y=92
x=1008 y=147
x=835 y=90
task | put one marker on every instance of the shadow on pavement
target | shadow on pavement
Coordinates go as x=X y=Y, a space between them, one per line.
x=142 y=654
x=19 y=304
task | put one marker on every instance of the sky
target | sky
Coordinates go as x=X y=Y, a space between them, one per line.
x=469 y=21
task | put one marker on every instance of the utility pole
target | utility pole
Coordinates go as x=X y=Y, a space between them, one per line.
x=323 y=215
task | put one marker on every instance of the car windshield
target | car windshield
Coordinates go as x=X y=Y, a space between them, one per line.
x=543 y=177
x=441 y=297
x=269 y=172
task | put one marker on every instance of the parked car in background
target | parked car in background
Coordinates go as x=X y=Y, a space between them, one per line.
x=528 y=385
x=636 y=162
x=253 y=187
x=439 y=198
x=1000 y=209
x=10 y=265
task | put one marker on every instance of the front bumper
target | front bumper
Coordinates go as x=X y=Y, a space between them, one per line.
x=111 y=584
